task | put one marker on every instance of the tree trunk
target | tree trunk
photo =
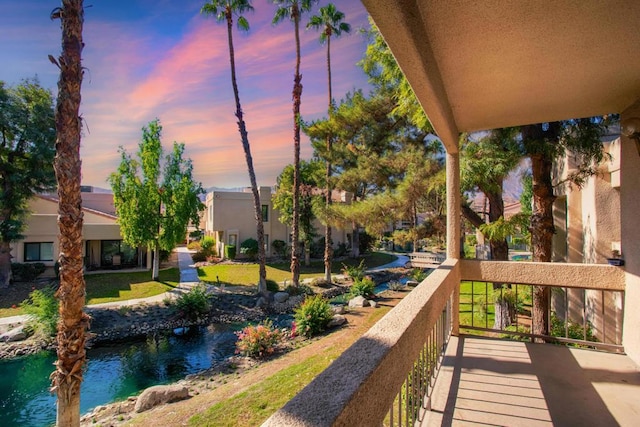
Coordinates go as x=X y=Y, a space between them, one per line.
x=262 y=281
x=542 y=228
x=307 y=253
x=355 y=246
x=67 y=377
x=328 y=241
x=155 y=272
x=297 y=95
x=5 y=264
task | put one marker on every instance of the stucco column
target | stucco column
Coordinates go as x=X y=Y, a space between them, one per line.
x=454 y=226
x=453 y=205
x=630 y=236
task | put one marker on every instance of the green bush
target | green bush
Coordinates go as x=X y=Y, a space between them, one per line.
x=395 y=285
x=194 y=245
x=313 y=316
x=418 y=274
x=27 y=272
x=299 y=290
x=42 y=306
x=194 y=304
x=356 y=272
x=280 y=248
x=258 y=341
x=272 y=286
x=573 y=330
x=363 y=287
x=230 y=251
x=249 y=248
x=199 y=257
x=208 y=245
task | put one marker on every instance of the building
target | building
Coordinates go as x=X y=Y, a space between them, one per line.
x=103 y=247
x=230 y=219
x=486 y=65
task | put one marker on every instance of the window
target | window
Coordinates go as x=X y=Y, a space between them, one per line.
x=41 y=251
x=109 y=248
x=265 y=213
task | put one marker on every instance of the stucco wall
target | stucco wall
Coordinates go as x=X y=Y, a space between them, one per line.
x=630 y=236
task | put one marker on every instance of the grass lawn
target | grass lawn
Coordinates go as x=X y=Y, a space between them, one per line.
x=247 y=274
x=104 y=287
x=253 y=406
x=108 y=287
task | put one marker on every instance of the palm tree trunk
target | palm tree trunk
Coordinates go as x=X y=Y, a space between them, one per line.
x=328 y=242
x=542 y=228
x=297 y=95
x=67 y=377
x=262 y=284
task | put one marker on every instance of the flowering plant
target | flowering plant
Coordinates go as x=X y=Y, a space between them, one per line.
x=258 y=340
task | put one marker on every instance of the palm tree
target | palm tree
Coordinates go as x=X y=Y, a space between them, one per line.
x=224 y=11
x=330 y=20
x=67 y=377
x=293 y=9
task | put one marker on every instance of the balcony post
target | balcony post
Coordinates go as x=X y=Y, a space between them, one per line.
x=454 y=224
x=630 y=232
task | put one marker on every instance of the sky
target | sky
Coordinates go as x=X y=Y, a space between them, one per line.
x=148 y=59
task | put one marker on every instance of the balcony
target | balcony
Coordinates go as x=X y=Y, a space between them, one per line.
x=414 y=368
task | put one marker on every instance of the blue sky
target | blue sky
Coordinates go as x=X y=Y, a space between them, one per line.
x=148 y=59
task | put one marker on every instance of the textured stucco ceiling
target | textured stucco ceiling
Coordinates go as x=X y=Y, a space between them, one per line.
x=486 y=64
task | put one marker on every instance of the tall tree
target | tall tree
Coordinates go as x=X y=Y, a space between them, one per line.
x=154 y=205
x=330 y=20
x=543 y=143
x=27 y=149
x=224 y=11
x=67 y=377
x=293 y=9
x=283 y=200
x=486 y=163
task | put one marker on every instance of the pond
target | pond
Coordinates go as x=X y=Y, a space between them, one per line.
x=113 y=372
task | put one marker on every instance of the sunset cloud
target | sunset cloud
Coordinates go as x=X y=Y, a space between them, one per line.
x=159 y=59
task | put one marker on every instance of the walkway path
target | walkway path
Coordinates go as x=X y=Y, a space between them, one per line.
x=188 y=279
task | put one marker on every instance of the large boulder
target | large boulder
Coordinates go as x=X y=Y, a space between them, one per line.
x=15 y=334
x=358 y=301
x=338 y=309
x=280 y=297
x=160 y=394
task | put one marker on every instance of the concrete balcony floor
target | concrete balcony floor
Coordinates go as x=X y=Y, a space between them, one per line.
x=487 y=381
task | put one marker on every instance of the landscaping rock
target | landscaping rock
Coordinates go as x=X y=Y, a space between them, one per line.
x=280 y=297
x=338 y=309
x=358 y=301
x=373 y=304
x=160 y=394
x=336 y=321
x=413 y=283
x=15 y=334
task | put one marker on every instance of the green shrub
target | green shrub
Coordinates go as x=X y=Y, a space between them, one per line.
x=199 y=257
x=208 y=245
x=194 y=304
x=321 y=282
x=258 y=341
x=356 y=272
x=299 y=290
x=249 y=247
x=418 y=274
x=363 y=287
x=313 y=316
x=279 y=247
x=27 y=272
x=194 y=245
x=272 y=286
x=230 y=251
x=573 y=330
x=341 y=250
x=42 y=306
